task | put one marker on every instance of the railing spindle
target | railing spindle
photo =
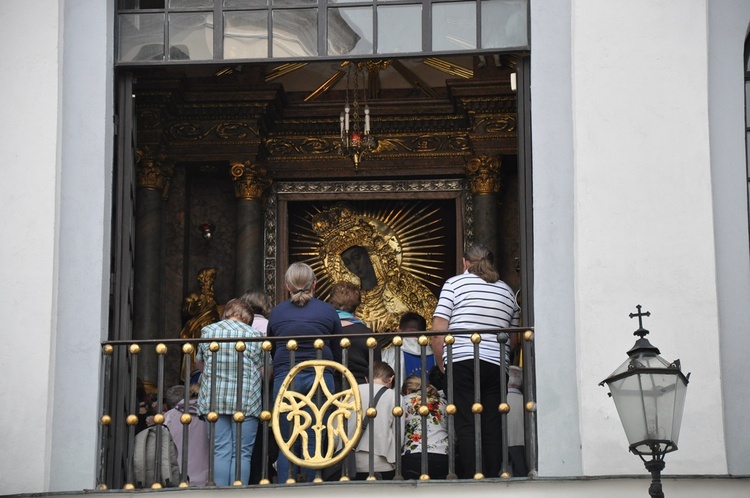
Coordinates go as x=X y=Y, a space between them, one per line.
x=106 y=419
x=502 y=339
x=477 y=409
x=267 y=346
x=239 y=415
x=398 y=410
x=185 y=421
x=132 y=419
x=450 y=410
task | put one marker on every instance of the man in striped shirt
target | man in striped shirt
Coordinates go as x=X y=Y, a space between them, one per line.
x=476 y=300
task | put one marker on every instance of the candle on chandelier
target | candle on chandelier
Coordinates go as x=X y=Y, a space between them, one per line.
x=346 y=118
x=341 y=118
x=367 y=120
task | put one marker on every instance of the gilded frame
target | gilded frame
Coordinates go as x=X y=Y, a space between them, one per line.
x=281 y=193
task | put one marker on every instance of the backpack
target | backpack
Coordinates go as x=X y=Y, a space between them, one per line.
x=144 y=458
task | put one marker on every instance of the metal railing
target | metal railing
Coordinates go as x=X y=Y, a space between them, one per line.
x=333 y=412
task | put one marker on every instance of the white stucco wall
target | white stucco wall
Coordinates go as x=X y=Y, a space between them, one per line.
x=56 y=139
x=85 y=189
x=625 y=214
x=729 y=23
x=644 y=216
x=30 y=88
x=554 y=283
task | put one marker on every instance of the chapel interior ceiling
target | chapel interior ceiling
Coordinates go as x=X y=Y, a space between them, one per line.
x=429 y=114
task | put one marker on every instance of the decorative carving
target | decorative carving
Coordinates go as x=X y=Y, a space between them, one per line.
x=484 y=174
x=304 y=146
x=496 y=123
x=149 y=118
x=369 y=186
x=250 y=180
x=153 y=170
x=427 y=143
x=202 y=310
x=430 y=144
x=225 y=131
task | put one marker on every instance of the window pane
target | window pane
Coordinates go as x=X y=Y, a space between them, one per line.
x=246 y=35
x=141 y=37
x=191 y=36
x=350 y=30
x=350 y=1
x=245 y=3
x=504 y=24
x=747 y=104
x=187 y=4
x=454 y=26
x=140 y=4
x=287 y=3
x=399 y=29
x=295 y=32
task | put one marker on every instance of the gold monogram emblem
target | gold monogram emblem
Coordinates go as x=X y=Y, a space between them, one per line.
x=322 y=411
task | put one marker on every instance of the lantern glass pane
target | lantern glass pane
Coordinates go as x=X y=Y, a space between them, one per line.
x=650 y=408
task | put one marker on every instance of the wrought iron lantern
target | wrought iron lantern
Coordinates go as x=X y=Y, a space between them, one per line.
x=649 y=393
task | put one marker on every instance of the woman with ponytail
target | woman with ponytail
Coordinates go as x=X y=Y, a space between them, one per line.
x=301 y=315
x=476 y=300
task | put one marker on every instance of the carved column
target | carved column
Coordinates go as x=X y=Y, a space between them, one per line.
x=250 y=182
x=484 y=176
x=153 y=173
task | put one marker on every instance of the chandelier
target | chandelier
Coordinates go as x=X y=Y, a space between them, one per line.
x=356 y=140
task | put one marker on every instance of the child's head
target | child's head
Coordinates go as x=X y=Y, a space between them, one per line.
x=382 y=372
x=237 y=310
x=413 y=384
x=412 y=322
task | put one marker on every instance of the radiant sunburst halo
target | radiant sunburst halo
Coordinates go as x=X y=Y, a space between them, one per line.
x=405 y=241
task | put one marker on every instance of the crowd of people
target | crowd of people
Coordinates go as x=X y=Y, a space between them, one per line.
x=475 y=300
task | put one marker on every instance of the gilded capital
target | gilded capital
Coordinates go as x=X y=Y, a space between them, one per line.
x=153 y=170
x=484 y=175
x=250 y=180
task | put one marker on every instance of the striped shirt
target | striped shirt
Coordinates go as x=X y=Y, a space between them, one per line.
x=470 y=303
x=226 y=370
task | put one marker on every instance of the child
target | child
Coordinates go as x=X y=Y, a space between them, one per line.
x=235 y=324
x=384 y=444
x=437 y=432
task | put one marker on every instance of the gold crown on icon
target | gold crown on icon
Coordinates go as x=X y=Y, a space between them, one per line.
x=340 y=228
